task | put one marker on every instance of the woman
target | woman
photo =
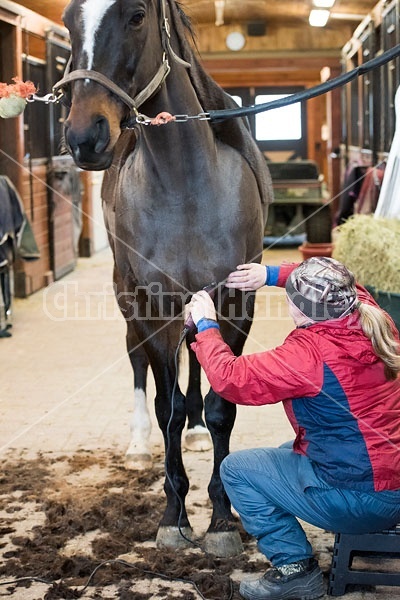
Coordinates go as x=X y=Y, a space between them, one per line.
x=337 y=376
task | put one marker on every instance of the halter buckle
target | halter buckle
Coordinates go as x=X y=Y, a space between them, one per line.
x=167 y=27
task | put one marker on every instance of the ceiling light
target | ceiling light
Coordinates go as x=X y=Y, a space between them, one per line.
x=347 y=16
x=323 y=3
x=235 y=41
x=318 y=17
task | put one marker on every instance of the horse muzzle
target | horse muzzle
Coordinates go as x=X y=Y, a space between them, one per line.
x=89 y=145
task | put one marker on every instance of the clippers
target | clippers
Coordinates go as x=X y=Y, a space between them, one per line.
x=189 y=323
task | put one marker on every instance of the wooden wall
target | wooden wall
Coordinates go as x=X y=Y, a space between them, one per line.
x=279 y=37
x=27 y=155
x=11 y=130
x=369 y=112
x=33 y=275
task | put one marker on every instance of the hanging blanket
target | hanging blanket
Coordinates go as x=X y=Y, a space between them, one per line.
x=14 y=224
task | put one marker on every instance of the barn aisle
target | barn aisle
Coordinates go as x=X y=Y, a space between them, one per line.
x=66 y=400
x=66 y=378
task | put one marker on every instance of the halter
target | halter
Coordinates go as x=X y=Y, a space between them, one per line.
x=152 y=86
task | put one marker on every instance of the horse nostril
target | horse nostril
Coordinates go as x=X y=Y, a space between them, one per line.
x=102 y=134
x=70 y=137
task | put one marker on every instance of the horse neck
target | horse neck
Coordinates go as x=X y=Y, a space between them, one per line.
x=177 y=97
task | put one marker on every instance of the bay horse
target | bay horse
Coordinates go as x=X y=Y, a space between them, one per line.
x=183 y=203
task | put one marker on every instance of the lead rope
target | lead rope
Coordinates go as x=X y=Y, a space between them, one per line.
x=322 y=88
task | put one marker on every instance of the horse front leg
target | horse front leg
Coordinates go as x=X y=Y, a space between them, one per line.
x=197 y=437
x=138 y=457
x=222 y=538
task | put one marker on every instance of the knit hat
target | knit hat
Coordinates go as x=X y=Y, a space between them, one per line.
x=322 y=288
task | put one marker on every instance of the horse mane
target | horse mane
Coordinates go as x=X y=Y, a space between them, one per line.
x=187 y=23
x=233 y=132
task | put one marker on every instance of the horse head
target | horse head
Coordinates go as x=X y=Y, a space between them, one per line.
x=117 y=45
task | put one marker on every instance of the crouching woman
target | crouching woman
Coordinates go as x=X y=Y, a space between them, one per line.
x=337 y=376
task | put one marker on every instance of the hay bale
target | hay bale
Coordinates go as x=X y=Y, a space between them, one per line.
x=370 y=248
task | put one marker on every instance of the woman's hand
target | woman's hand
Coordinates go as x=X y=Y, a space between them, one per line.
x=247 y=277
x=201 y=306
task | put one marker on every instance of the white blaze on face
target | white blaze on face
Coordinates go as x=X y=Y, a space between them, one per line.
x=93 y=12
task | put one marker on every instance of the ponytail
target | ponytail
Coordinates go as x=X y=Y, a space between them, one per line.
x=378 y=329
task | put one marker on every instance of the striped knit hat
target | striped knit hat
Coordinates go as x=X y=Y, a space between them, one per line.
x=322 y=288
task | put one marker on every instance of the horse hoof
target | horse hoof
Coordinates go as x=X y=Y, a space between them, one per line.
x=138 y=462
x=198 y=439
x=223 y=544
x=174 y=537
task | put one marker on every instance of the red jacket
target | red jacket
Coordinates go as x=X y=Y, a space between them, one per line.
x=345 y=413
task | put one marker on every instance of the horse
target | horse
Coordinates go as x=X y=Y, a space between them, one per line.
x=184 y=203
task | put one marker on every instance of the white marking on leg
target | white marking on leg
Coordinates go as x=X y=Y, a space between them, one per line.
x=93 y=12
x=140 y=425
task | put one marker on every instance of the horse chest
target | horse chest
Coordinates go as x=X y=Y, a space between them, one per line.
x=173 y=224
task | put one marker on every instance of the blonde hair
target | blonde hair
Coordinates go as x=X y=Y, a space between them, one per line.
x=378 y=329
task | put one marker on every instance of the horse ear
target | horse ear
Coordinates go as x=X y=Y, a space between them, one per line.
x=183 y=26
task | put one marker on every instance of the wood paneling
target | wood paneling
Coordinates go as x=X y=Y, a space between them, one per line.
x=31 y=276
x=23 y=32
x=62 y=224
x=279 y=38
x=289 y=69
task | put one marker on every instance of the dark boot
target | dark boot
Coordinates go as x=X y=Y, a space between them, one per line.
x=300 y=580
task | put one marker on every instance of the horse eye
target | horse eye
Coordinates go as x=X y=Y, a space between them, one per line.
x=137 y=18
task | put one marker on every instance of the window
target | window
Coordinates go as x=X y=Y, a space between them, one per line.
x=237 y=99
x=280 y=133
x=279 y=123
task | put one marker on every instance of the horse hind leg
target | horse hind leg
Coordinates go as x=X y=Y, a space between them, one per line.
x=138 y=457
x=197 y=437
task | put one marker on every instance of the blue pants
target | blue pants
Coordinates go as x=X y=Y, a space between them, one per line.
x=270 y=487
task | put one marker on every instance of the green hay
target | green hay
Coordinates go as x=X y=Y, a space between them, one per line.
x=370 y=248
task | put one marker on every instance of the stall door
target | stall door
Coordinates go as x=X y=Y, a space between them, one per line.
x=63 y=176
